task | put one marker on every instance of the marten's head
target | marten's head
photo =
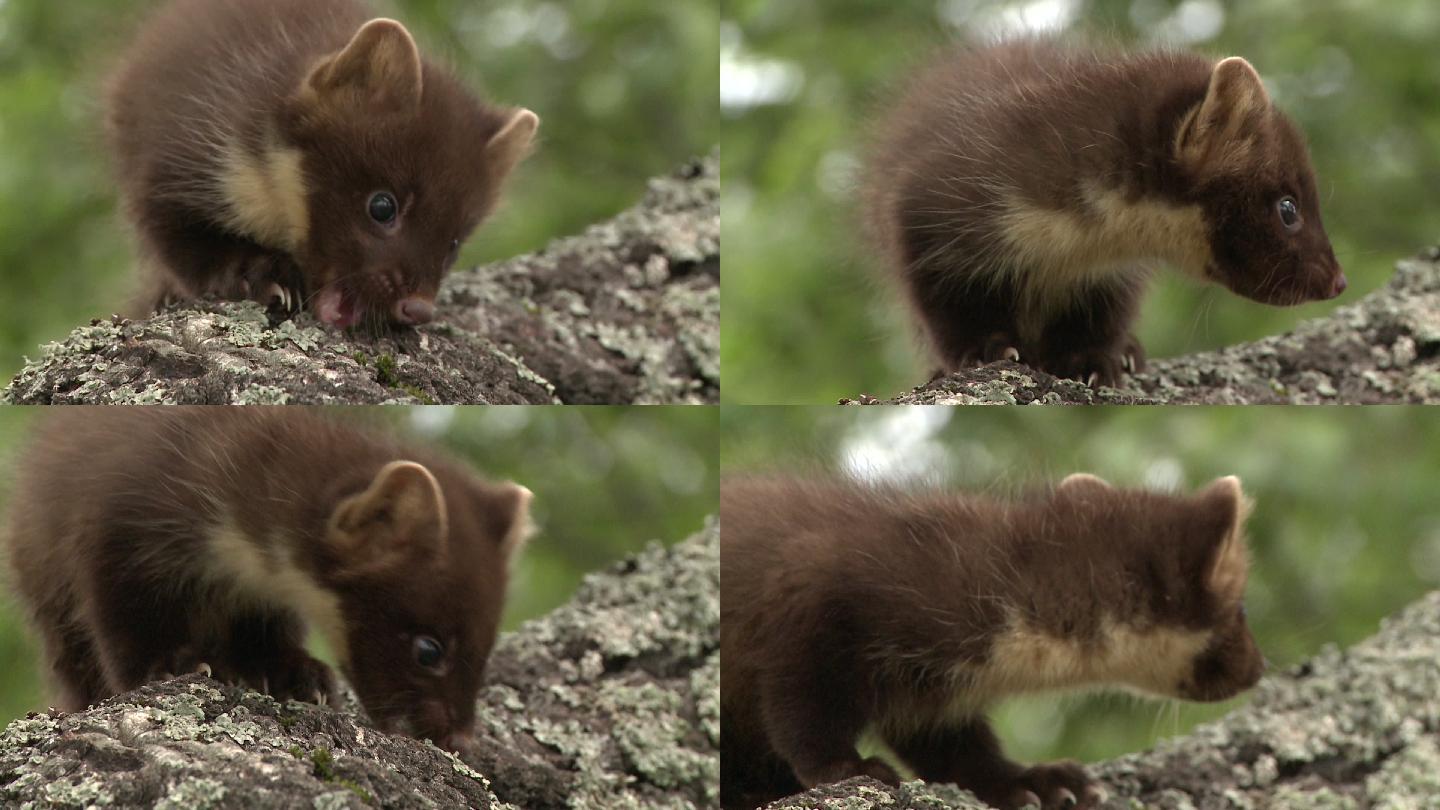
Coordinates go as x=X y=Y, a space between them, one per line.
x=1156 y=595
x=1247 y=165
x=398 y=165
x=420 y=569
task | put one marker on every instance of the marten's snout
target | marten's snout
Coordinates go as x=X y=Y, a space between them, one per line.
x=413 y=311
x=1338 y=286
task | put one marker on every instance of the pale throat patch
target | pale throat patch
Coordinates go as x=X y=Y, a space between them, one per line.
x=271 y=577
x=1154 y=660
x=1053 y=253
x=265 y=196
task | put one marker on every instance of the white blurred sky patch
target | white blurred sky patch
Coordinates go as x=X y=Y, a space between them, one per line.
x=508 y=25
x=1191 y=22
x=901 y=445
x=431 y=421
x=1165 y=473
x=748 y=81
x=1009 y=19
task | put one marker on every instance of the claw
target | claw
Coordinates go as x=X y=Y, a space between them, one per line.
x=1092 y=379
x=321 y=699
x=1067 y=799
x=1011 y=353
x=265 y=684
x=204 y=669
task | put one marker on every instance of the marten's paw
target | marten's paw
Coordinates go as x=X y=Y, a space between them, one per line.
x=1132 y=354
x=872 y=767
x=1051 y=786
x=997 y=346
x=1093 y=367
x=273 y=281
x=188 y=661
x=299 y=676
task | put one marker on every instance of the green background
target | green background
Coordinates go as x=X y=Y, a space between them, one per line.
x=626 y=90
x=1346 y=527
x=607 y=481
x=807 y=316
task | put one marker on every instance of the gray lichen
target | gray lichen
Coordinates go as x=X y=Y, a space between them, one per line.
x=627 y=312
x=610 y=701
x=1348 y=729
x=1385 y=348
x=628 y=678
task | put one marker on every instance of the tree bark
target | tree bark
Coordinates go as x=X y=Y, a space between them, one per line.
x=1383 y=349
x=628 y=312
x=1354 y=729
x=613 y=700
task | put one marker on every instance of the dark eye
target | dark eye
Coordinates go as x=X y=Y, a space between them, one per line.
x=429 y=653
x=1289 y=213
x=383 y=207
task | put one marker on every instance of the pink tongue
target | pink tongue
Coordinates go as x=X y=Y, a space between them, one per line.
x=336 y=309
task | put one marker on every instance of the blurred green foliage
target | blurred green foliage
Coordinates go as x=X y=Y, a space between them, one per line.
x=626 y=90
x=1346 y=527
x=607 y=481
x=809 y=319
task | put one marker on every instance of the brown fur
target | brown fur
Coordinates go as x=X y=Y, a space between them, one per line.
x=150 y=541
x=907 y=612
x=249 y=136
x=1021 y=191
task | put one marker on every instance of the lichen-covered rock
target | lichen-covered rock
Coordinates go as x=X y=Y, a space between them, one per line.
x=628 y=312
x=612 y=701
x=1348 y=729
x=1385 y=348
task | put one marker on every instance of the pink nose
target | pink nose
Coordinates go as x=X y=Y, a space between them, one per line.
x=414 y=311
x=1340 y=285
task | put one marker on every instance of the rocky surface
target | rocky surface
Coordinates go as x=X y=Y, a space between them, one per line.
x=1382 y=349
x=1349 y=730
x=628 y=312
x=611 y=701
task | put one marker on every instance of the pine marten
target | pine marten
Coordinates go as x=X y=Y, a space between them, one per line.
x=1020 y=191
x=148 y=542
x=849 y=607
x=302 y=154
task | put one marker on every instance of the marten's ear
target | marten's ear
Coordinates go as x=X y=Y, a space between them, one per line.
x=513 y=505
x=1081 y=482
x=380 y=69
x=1224 y=509
x=1223 y=128
x=512 y=143
x=400 y=515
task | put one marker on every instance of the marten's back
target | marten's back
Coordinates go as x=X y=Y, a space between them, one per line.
x=160 y=479
x=1033 y=121
x=204 y=77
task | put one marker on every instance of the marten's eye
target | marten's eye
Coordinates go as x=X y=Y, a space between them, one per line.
x=1289 y=213
x=429 y=653
x=383 y=207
